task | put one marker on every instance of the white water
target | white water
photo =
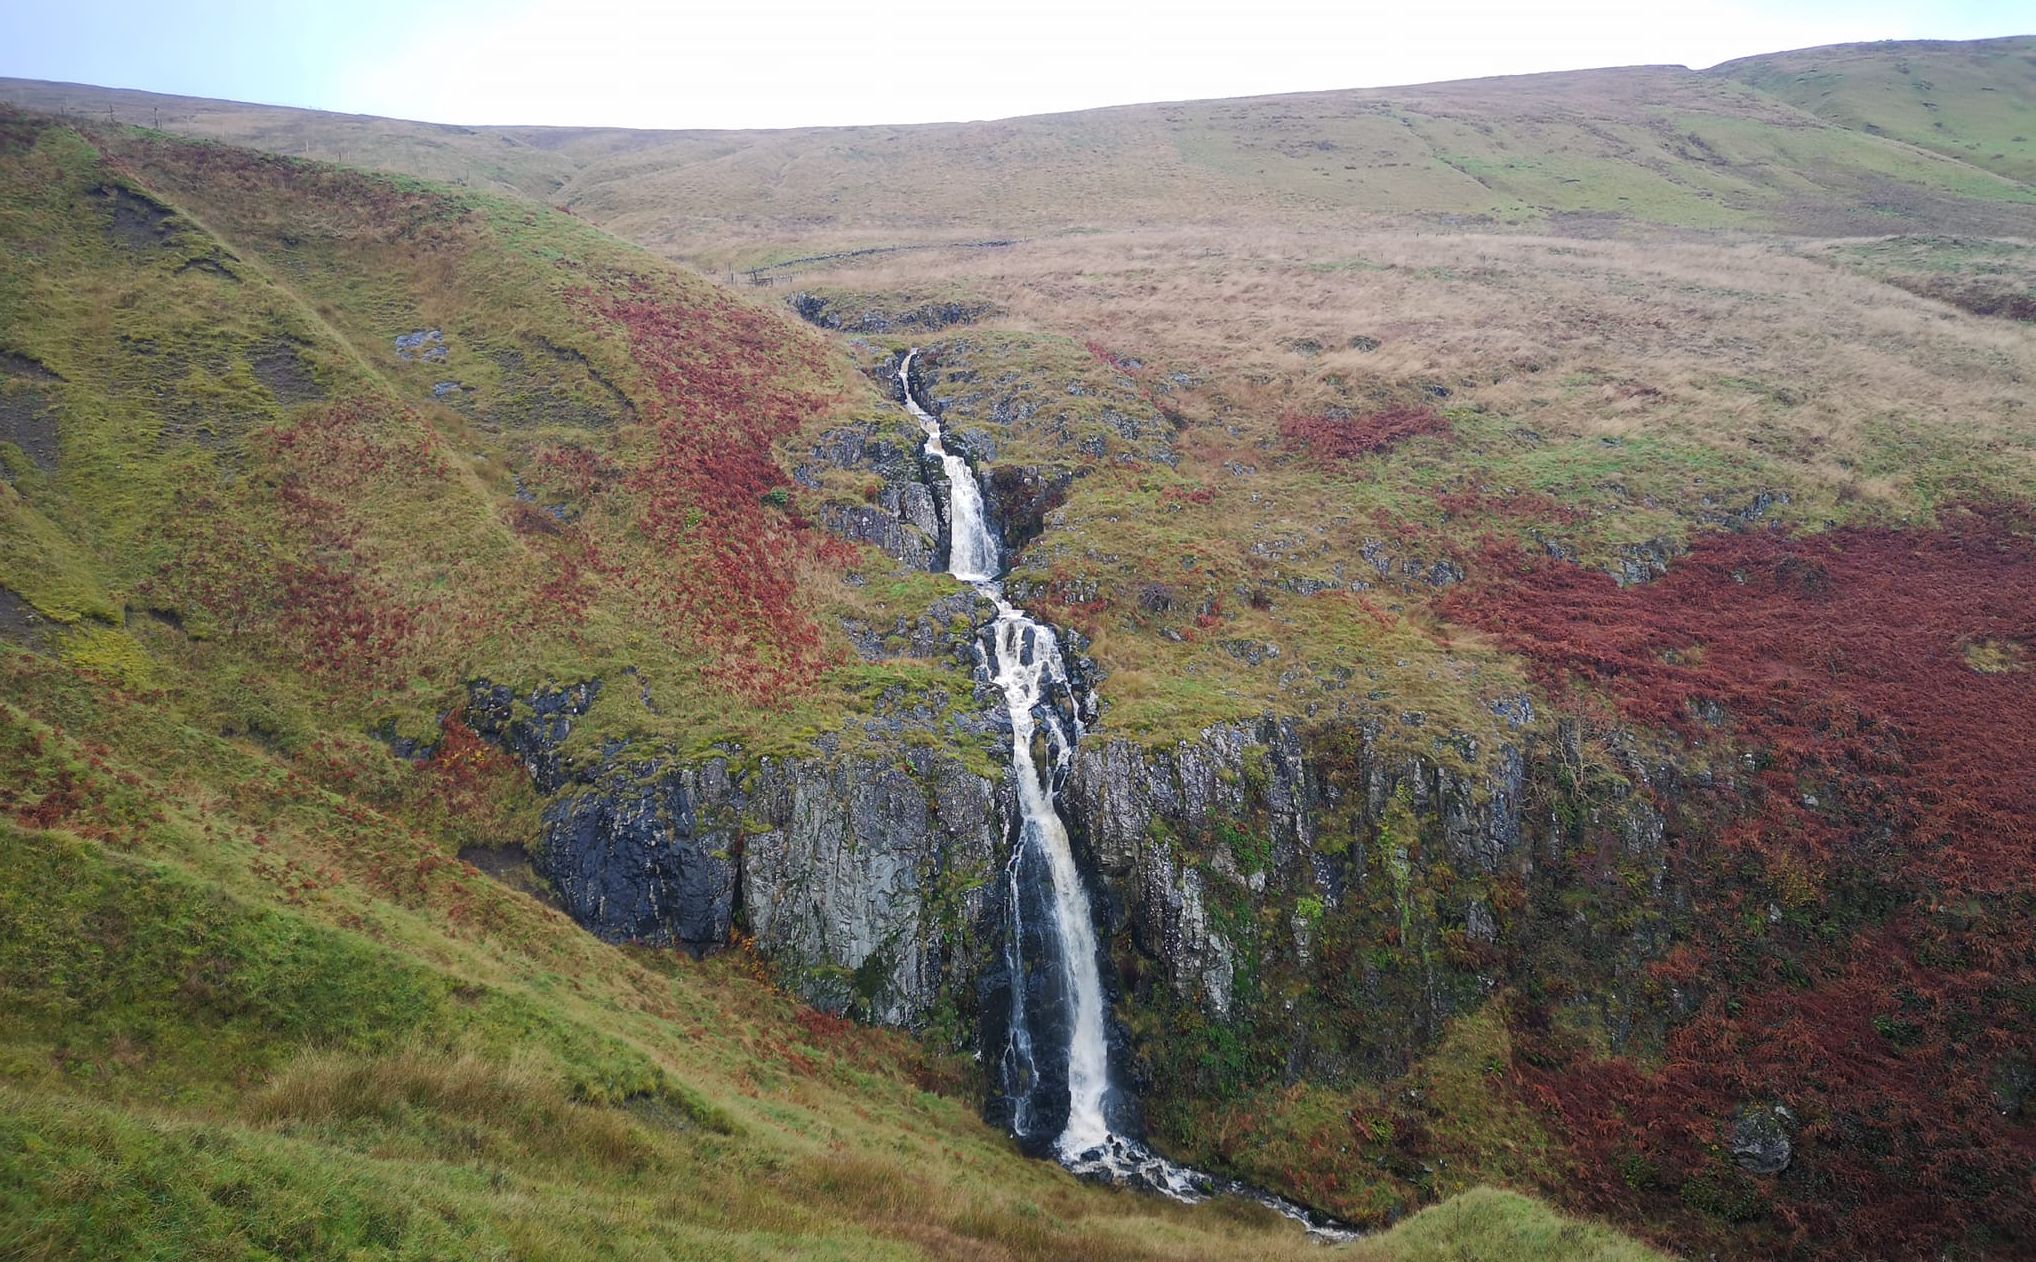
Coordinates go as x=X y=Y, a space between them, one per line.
x=1027 y=664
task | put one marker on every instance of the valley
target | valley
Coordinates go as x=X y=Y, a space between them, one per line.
x=1447 y=662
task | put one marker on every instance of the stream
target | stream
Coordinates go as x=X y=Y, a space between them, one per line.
x=1058 y=1020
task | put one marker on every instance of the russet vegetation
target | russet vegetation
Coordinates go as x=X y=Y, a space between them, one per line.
x=1687 y=405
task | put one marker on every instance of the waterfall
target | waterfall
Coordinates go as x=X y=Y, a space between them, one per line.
x=1027 y=666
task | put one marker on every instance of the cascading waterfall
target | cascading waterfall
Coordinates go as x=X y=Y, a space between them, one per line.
x=1028 y=667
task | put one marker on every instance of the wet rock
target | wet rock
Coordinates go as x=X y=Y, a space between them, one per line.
x=531 y=728
x=1017 y=498
x=640 y=855
x=863 y=879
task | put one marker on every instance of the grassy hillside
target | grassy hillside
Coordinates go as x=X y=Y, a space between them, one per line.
x=1789 y=143
x=1672 y=424
x=379 y=437
x=1974 y=101
x=254 y=1004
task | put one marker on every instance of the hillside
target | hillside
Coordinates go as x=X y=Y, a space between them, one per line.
x=1970 y=101
x=258 y=1003
x=1789 y=143
x=1543 y=570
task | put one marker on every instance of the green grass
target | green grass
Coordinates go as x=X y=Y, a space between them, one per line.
x=234 y=1028
x=251 y=1004
x=1488 y=1225
x=159 y=409
x=1970 y=101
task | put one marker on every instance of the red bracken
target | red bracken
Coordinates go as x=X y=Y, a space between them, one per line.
x=1878 y=687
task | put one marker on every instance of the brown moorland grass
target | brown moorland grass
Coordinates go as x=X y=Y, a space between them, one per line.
x=1739 y=342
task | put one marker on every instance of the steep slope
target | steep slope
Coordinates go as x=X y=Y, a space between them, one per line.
x=1520 y=663
x=255 y=1002
x=1974 y=101
x=1534 y=628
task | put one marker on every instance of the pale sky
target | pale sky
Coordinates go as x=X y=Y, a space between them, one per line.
x=782 y=63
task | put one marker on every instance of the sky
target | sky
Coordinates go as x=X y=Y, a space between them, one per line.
x=784 y=63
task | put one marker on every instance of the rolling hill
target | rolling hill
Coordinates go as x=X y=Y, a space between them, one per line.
x=1817 y=142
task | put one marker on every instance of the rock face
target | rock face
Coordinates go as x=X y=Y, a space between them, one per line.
x=947 y=628
x=863 y=879
x=1312 y=903
x=870 y=881
x=869 y=313
x=1276 y=902
x=532 y=728
x=904 y=514
x=1760 y=1138
x=646 y=855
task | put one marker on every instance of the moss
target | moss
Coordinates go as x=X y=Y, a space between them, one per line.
x=110 y=653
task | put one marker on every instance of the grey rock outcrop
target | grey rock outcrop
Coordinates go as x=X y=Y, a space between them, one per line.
x=645 y=854
x=878 y=313
x=1224 y=855
x=862 y=879
x=904 y=514
x=1760 y=1138
x=865 y=880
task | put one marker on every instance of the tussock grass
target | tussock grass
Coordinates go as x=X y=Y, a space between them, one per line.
x=1600 y=395
x=199 y=1060
x=1489 y=1225
x=514 y=1112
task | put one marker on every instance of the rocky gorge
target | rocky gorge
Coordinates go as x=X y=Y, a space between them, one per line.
x=1278 y=901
